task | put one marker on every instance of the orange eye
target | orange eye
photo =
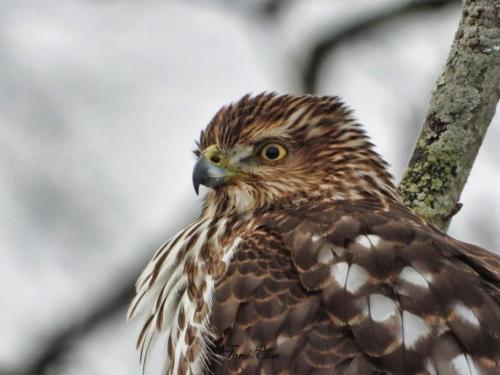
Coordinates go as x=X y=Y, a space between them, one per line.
x=272 y=152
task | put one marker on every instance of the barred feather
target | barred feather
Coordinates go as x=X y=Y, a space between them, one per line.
x=333 y=285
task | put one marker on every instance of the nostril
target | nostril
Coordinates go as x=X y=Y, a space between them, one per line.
x=215 y=159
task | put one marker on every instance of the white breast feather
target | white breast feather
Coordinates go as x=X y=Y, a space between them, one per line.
x=164 y=291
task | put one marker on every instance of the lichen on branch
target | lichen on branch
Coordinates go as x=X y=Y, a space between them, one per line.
x=460 y=111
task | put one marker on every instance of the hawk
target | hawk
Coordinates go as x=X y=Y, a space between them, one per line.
x=305 y=261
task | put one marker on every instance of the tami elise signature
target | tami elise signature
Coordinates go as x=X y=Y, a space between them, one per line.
x=232 y=352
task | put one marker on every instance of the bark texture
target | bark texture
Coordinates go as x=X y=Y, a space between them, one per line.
x=460 y=110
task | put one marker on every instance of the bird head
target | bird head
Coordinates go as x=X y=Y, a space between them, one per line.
x=269 y=151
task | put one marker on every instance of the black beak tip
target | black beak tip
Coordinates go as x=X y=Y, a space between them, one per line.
x=199 y=174
x=196 y=186
x=207 y=174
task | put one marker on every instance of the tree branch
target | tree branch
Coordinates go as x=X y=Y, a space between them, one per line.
x=61 y=342
x=460 y=110
x=272 y=8
x=323 y=47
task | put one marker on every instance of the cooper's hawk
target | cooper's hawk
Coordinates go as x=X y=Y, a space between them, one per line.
x=305 y=261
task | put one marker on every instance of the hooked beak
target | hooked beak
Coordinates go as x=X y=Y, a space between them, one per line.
x=208 y=174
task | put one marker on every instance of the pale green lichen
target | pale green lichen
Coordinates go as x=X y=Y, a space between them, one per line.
x=432 y=186
x=460 y=111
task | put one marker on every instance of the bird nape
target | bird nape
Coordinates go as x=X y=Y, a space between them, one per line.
x=305 y=261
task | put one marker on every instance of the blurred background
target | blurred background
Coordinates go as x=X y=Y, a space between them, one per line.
x=100 y=103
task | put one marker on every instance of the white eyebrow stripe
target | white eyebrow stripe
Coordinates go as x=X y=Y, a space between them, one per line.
x=241 y=154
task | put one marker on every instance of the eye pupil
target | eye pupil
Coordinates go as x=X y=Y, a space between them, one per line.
x=272 y=152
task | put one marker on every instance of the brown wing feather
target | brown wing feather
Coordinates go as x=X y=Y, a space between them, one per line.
x=356 y=288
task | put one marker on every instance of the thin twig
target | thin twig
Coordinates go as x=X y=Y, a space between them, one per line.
x=60 y=343
x=326 y=45
x=273 y=8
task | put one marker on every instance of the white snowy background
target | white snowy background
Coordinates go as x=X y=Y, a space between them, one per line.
x=100 y=103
